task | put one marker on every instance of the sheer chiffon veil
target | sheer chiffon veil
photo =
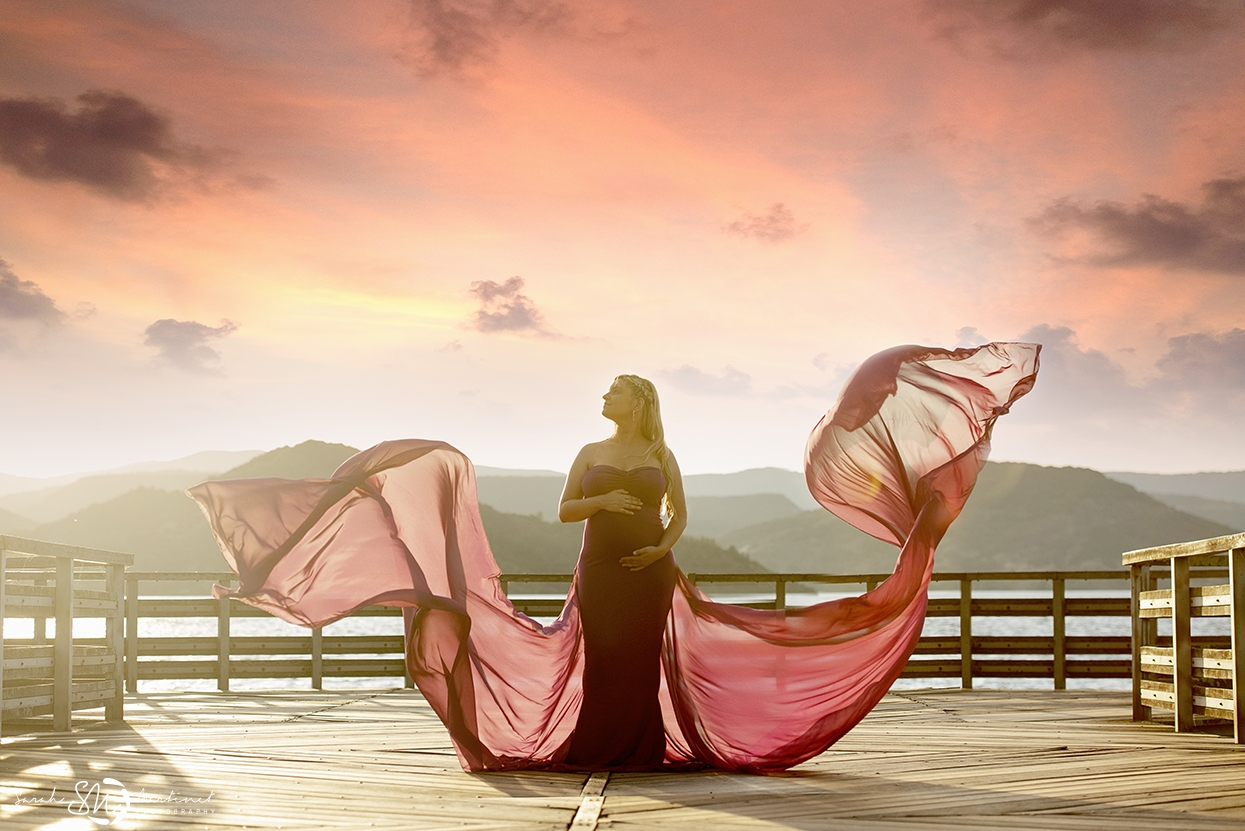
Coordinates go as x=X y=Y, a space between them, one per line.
x=743 y=689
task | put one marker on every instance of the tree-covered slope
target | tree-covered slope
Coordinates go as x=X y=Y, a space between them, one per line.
x=1020 y=517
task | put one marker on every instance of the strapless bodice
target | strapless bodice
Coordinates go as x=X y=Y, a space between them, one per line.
x=609 y=535
x=647 y=483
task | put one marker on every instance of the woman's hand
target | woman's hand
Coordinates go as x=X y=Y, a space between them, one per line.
x=643 y=557
x=620 y=502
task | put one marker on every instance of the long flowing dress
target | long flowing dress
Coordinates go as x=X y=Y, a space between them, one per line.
x=623 y=614
x=738 y=688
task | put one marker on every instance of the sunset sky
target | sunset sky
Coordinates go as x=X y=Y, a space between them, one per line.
x=235 y=225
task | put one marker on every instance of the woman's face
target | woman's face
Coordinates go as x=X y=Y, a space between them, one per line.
x=620 y=402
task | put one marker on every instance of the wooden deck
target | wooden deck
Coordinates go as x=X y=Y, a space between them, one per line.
x=380 y=759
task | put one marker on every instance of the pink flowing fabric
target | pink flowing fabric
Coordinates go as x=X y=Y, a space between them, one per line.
x=743 y=689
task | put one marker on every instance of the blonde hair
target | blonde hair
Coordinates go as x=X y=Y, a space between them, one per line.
x=649 y=426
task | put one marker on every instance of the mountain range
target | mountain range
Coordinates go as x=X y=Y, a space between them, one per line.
x=209 y=461
x=148 y=515
x=1021 y=516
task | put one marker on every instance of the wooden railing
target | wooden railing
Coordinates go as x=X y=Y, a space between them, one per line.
x=315 y=655
x=41 y=580
x=966 y=655
x=1188 y=674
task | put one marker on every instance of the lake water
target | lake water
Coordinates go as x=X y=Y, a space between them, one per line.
x=392 y=625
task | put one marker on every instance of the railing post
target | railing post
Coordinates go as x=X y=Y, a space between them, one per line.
x=1182 y=645
x=1236 y=579
x=114 y=636
x=62 y=651
x=222 y=644
x=131 y=633
x=966 y=634
x=317 y=659
x=3 y=579
x=1058 y=610
x=40 y=623
x=1139 y=578
x=780 y=593
x=408 y=621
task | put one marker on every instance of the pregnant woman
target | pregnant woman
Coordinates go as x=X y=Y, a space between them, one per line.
x=640 y=670
x=625 y=579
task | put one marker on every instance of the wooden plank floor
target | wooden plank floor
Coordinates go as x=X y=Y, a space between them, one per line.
x=380 y=759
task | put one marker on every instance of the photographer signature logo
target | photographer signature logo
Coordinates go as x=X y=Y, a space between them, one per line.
x=107 y=801
x=95 y=804
x=91 y=800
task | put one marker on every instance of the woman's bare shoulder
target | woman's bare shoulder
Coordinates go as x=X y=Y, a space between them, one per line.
x=589 y=453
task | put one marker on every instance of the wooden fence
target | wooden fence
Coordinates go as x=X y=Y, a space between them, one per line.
x=1188 y=674
x=46 y=581
x=225 y=656
x=965 y=656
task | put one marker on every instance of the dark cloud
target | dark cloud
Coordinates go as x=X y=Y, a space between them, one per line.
x=504 y=308
x=1087 y=407
x=183 y=344
x=1205 y=362
x=113 y=144
x=1200 y=370
x=1023 y=28
x=24 y=300
x=777 y=225
x=698 y=382
x=455 y=38
x=1158 y=231
x=1082 y=384
x=969 y=336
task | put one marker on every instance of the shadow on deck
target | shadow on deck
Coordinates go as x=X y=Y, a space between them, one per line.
x=380 y=759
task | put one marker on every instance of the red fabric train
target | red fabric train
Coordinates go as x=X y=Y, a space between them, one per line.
x=742 y=689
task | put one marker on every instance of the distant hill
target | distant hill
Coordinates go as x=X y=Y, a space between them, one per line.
x=164 y=530
x=17 y=484
x=309 y=460
x=527 y=492
x=148 y=514
x=1231 y=514
x=812 y=542
x=1071 y=518
x=211 y=461
x=53 y=503
x=207 y=461
x=18 y=526
x=533 y=495
x=788 y=483
x=1020 y=517
x=529 y=544
x=485 y=470
x=715 y=516
x=709 y=516
x=1228 y=486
